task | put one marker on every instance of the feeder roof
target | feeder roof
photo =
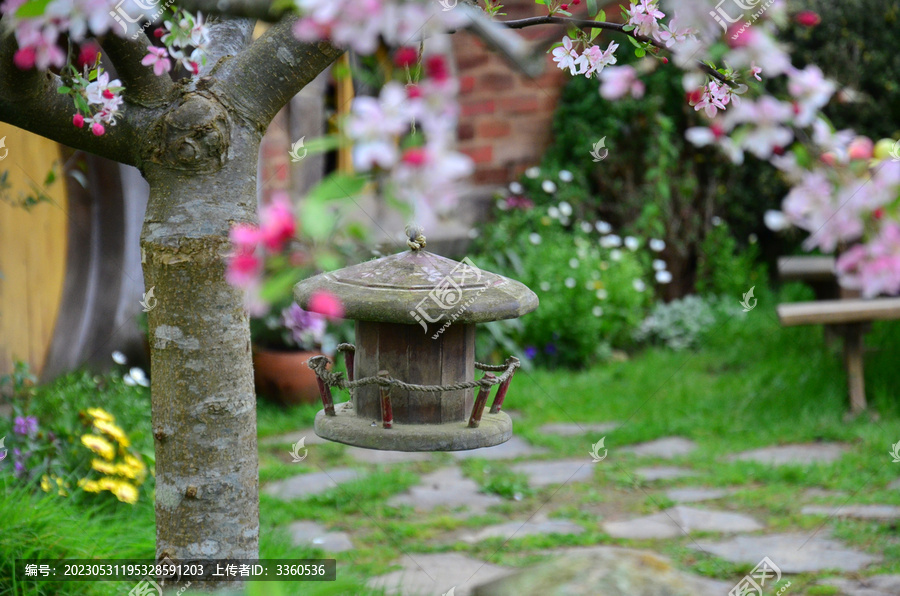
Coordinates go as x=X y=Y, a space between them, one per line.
x=414 y=286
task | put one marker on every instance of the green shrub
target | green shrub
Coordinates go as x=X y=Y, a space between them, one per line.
x=592 y=296
x=682 y=324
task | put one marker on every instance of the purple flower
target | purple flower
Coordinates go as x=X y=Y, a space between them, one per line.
x=307 y=328
x=530 y=352
x=550 y=348
x=25 y=425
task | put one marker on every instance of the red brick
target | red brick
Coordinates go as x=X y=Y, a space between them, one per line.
x=466 y=84
x=477 y=107
x=519 y=105
x=491 y=176
x=496 y=81
x=465 y=131
x=493 y=129
x=483 y=154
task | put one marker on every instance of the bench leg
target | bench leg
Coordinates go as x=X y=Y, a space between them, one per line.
x=853 y=358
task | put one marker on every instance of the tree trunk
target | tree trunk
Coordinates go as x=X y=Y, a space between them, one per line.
x=202 y=180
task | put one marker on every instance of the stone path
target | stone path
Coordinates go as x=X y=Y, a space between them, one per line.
x=556 y=472
x=666 y=448
x=306 y=485
x=579 y=570
x=309 y=533
x=794 y=455
x=854 y=511
x=446 y=487
x=437 y=574
x=571 y=430
x=663 y=473
x=514 y=448
x=792 y=553
x=522 y=529
x=679 y=521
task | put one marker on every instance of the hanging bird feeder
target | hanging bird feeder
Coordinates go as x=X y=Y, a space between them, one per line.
x=411 y=374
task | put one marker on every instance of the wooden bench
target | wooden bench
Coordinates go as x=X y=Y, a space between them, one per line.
x=850 y=319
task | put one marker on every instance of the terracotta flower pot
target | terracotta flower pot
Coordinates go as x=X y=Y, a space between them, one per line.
x=284 y=377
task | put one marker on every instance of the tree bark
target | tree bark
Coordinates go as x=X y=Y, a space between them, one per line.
x=202 y=179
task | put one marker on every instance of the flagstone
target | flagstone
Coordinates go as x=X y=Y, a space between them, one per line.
x=791 y=552
x=522 y=529
x=306 y=485
x=695 y=494
x=437 y=575
x=666 y=448
x=513 y=448
x=449 y=488
x=663 y=473
x=378 y=456
x=573 y=429
x=796 y=455
x=557 y=471
x=876 y=585
x=680 y=520
x=854 y=511
x=310 y=533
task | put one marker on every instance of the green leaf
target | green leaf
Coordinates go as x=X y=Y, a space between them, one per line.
x=601 y=16
x=592 y=6
x=634 y=42
x=640 y=52
x=539 y=2
x=325 y=143
x=336 y=186
x=62 y=89
x=32 y=8
x=279 y=285
x=316 y=219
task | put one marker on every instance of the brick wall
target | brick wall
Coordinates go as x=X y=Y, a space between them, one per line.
x=505 y=116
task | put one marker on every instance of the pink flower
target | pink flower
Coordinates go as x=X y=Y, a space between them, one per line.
x=808 y=18
x=861 y=148
x=243 y=270
x=645 y=17
x=595 y=59
x=78 y=120
x=24 y=58
x=277 y=224
x=567 y=57
x=618 y=81
x=244 y=237
x=159 y=58
x=326 y=304
x=873 y=268
x=98 y=129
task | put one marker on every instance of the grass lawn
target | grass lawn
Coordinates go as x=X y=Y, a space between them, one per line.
x=752 y=384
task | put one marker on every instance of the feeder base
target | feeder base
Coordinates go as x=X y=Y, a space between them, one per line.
x=348 y=428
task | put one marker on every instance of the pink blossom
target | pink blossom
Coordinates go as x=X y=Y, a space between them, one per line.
x=245 y=237
x=873 y=268
x=567 y=57
x=715 y=134
x=78 y=120
x=159 y=58
x=671 y=34
x=645 y=17
x=766 y=133
x=24 y=58
x=243 y=270
x=861 y=148
x=98 y=129
x=276 y=222
x=595 y=59
x=619 y=81
x=811 y=90
x=715 y=97
x=326 y=304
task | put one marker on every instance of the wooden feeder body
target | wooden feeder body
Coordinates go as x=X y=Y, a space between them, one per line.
x=408 y=353
x=415 y=316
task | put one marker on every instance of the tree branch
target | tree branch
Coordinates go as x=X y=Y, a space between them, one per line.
x=264 y=77
x=141 y=85
x=29 y=100
x=228 y=36
x=617 y=27
x=252 y=9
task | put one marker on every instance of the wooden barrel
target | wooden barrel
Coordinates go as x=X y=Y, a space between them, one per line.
x=70 y=277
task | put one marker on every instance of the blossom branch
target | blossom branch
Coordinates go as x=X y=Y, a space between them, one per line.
x=228 y=36
x=29 y=100
x=142 y=86
x=617 y=27
x=265 y=76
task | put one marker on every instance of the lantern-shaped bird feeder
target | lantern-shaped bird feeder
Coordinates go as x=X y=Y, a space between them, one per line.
x=411 y=374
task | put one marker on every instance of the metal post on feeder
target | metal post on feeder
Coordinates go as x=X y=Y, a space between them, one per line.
x=412 y=369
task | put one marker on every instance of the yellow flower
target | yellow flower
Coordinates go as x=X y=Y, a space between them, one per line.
x=62 y=486
x=100 y=414
x=91 y=486
x=110 y=429
x=103 y=467
x=45 y=483
x=99 y=445
x=123 y=491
